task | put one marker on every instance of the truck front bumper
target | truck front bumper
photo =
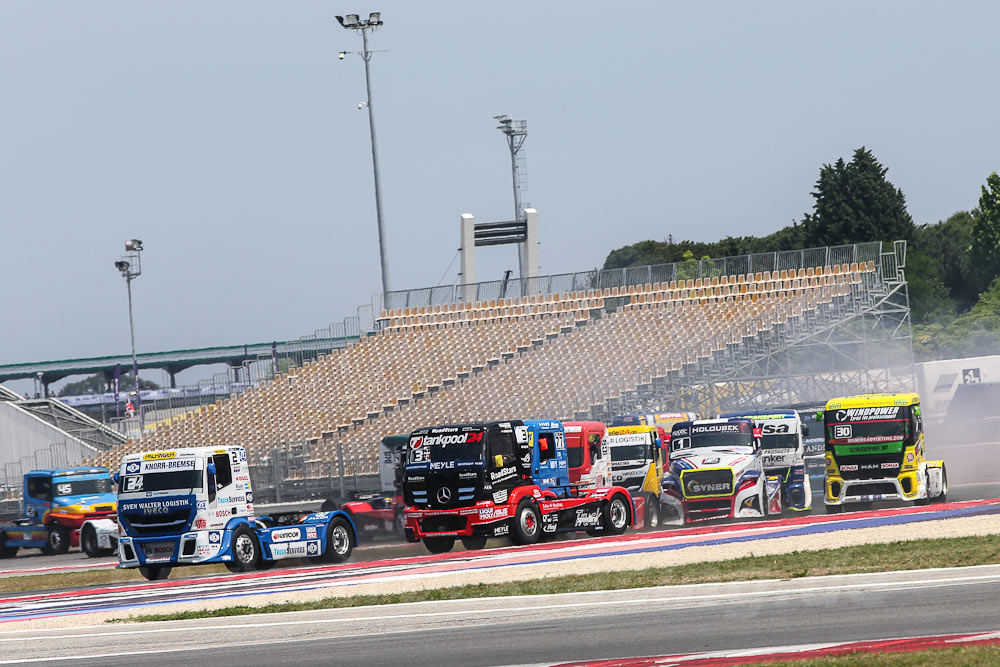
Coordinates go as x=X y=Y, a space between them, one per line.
x=492 y=521
x=202 y=546
x=906 y=486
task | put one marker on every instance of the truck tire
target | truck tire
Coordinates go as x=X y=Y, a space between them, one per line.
x=57 y=541
x=88 y=544
x=943 y=496
x=7 y=552
x=245 y=551
x=652 y=513
x=616 y=516
x=439 y=545
x=473 y=543
x=339 y=542
x=154 y=572
x=527 y=522
x=399 y=525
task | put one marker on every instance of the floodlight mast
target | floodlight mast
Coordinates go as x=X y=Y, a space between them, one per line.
x=130 y=266
x=373 y=22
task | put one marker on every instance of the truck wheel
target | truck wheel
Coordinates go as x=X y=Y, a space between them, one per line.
x=88 y=544
x=154 y=572
x=244 y=550
x=527 y=523
x=57 y=541
x=399 y=525
x=652 y=513
x=943 y=496
x=616 y=516
x=473 y=543
x=7 y=552
x=439 y=545
x=339 y=541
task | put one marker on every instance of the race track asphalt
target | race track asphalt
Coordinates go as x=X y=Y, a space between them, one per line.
x=548 y=629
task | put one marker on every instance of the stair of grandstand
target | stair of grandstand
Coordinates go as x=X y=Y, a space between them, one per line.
x=72 y=421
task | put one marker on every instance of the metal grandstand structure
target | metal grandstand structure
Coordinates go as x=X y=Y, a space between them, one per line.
x=858 y=344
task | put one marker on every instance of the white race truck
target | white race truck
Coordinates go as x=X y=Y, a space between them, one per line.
x=191 y=506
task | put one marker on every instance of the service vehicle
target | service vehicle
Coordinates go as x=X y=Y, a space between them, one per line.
x=509 y=478
x=195 y=505
x=589 y=456
x=716 y=471
x=63 y=508
x=637 y=464
x=381 y=513
x=875 y=451
x=783 y=449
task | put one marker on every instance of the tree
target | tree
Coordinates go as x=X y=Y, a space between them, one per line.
x=95 y=385
x=948 y=243
x=986 y=230
x=855 y=203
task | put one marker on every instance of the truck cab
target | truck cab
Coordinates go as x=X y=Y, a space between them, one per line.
x=783 y=450
x=637 y=458
x=56 y=505
x=195 y=505
x=875 y=451
x=589 y=455
x=480 y=480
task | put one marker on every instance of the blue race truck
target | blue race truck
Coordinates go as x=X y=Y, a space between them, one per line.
x=195 y=505
x=63 y=508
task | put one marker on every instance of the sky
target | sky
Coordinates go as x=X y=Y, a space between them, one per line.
x=226 y=135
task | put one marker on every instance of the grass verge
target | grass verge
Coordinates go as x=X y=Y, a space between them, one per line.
x=950 y=552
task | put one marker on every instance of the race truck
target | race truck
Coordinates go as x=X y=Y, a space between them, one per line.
x=381 y=513
x=637 y=464
x=63 y=508
x=783 y=448
x=589 y=457
x=665 y=420
x=716 y=471
x=875 y=451
x=491 y=479
x=190 y=506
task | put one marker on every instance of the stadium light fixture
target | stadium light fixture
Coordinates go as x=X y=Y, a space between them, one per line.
x=130 y=266
x=373 y=22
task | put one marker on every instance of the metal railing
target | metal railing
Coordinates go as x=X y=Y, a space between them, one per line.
x=636 y=275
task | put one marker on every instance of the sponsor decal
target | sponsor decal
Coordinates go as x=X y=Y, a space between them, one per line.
x=452 y=439
x=285 y=535
x=202 y=504
x=290 y=549
x=467 y=475
x=215 y=537
x=588 y=518
x=321 y=515
x=502 y=529
x=225 y=512
x=890 y=465
x=867 y=414
x=249 y=497
x=526 y=459
x=312 y=548
x=168 y=465
x=158 y=551
x=200 y=524
x=503 y=473
x=444 y=495
x=770 y=429
x=153 y=507
x=697 y=488
x=853 y=467
x=549 y=523
x=490 y=513
x=718 y=428
x=132 y=468
x=205 y=550
x=311 y=532
x=242 y=478
x=500 y=497
x=158 y=456
x=232 y=500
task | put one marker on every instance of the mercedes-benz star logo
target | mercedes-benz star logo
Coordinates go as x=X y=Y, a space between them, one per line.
x=444 y=495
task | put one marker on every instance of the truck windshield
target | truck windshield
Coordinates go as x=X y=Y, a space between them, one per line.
x=81 y=487
x=738 y=434
x=780 y=441
x=176 y=480
x=575 y=456
x=841 y=430
x=629 y=452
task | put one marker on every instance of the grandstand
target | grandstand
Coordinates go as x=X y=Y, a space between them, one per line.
x=717 y=339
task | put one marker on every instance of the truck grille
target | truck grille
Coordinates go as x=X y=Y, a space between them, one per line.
x=712 y=508
x=172 y=523
x=442 y=524
x=872 y=488
x=707 y=482
x=104 y=508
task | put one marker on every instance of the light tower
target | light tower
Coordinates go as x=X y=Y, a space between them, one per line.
x=353 y=22
x=516 y=132
x=130 y=267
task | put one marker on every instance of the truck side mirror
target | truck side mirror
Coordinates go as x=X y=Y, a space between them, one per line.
x=498 y=460
x=805 y=430
x=116 y=478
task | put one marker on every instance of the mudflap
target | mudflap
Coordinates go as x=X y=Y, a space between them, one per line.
x=639 y=513
x=772 y=488
x=935 y=478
